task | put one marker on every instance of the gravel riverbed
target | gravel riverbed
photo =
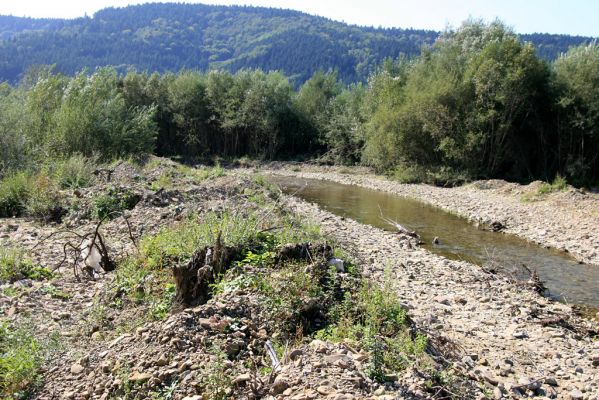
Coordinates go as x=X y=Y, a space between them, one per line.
x=565 y=220
x=503 y=334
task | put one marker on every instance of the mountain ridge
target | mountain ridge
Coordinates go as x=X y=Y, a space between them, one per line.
x=169 y=37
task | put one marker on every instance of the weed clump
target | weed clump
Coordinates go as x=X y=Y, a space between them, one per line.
x=14 y=265
x=112 y=203
x=375 y=318
x=74 y=172
x=21 y=357
x=559 y=184
x=14 y=193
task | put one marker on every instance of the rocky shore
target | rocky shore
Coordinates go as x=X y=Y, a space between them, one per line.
x=512 y=341
x=564 y=220
x=121 y=334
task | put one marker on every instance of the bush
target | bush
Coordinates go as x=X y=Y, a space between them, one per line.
x=559 y=184
x=45 y=201
x=375 y=318
x=14 y=193
x=21 y=357
x=404 y=173
x=15 y=265
x=114 y=202
x=74 y=172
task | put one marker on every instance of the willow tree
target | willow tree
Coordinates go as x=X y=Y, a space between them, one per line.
x=576 y=79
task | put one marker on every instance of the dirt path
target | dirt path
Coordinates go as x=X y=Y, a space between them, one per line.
x=566 y=220
x=501 y=329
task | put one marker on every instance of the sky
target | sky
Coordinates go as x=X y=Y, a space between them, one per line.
x=574 y=17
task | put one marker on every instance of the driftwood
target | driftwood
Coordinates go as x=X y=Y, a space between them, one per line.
x=274 y=360
x=88 y=252
x=398 y=226
x=193 y=279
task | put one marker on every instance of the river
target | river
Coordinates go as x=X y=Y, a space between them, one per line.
x=566 y=279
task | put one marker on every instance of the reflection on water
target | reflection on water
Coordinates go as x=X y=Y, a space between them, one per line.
x=458 y=239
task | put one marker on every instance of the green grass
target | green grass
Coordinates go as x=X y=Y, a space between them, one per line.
x=45 y=201
x=559 y=184
x=25 y=193
x=374 y=317
x=14 y=193
x=146 y=279
x=74 y=172
x=112 y=203
x=21 y=357
x=14 y=265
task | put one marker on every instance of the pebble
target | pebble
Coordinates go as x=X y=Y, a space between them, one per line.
x=77 y=368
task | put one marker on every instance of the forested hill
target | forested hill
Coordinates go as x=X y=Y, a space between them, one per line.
x=170 y=37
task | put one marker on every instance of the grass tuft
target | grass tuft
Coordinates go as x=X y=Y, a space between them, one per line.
x=14 y=265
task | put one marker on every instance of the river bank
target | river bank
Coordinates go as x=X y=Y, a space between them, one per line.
x=507 y=337
x=266 y=327
x=565 y=220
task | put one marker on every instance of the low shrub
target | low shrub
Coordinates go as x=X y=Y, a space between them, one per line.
x=409 y=174
x=74 y=172
x=559 y=184
x=112 y=203
x=14 y=265
x=14 y=193
x=21 y=356
x=44 y=202
x=375 y=318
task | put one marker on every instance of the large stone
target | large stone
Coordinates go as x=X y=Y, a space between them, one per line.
x=139 y=377
x=77 y=368
x=279 y=385
x=240 y=379
x=325 y=390
x=575 y=395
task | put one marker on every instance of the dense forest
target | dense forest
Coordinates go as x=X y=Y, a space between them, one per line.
x=171 y=37
x=480 y=103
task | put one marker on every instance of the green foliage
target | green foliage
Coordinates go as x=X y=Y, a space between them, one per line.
x=181 y=240
x=44 y=200
x=161 y=307
x=559 y=184
x=74 y=172
x=112 y=203
x=216 y=382
x=94 y=118
x=21 y=356
x=14 y=193
x=479 y=103
x=15 y=265
x=138 y=282
x=13 y=140
x=56 y=293
x=469 y=103
x=375 y=318
x=257 y=259
x=36 y=195
x=576 y=86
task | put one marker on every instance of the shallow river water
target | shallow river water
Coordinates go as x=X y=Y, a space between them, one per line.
x=565 y=278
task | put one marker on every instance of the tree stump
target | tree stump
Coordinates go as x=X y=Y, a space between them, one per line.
x=193 y=279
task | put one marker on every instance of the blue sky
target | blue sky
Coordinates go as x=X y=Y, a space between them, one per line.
x=576 y=17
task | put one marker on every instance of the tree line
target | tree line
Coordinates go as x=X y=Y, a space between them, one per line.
x=479 y=103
